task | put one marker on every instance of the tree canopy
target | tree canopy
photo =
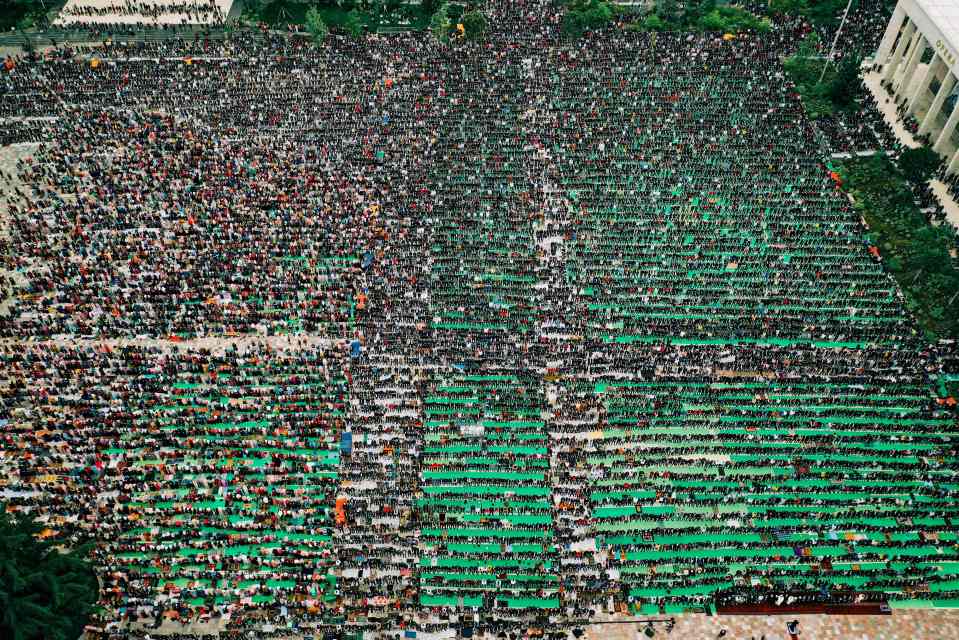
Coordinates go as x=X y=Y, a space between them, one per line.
x=837 y=89
x=20 y=14
x=353 y=24
x=700 y=15
x=915 y=251
x=789 y=7
x=315 y=25
x=44 y=594
x=822 y=12
x=842 y=88
x=440 y=23
x=919 y=164
x=584 y=15
x=474 y=25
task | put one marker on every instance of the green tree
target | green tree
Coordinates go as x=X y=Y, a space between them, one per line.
x=380 y=10
x=440 y=23
x=475 y=24
x=315 y=25
x=583 y=15
x=826 y=12
x=598 y=13
x=668 y=11
x=809 y=46
x=353 y=24
x=789 y=7
x=842 y=89
x=21 y=14
x=574 y=25
x=706 y=6
x=804 y=68
x=733 y=19
x=255 y=8
x=929 y=252
x=653 y=23
x=44 y=594
x=916 y=252
x=713 y=22
x=919 y=164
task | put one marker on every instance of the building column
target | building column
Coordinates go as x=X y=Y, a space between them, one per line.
x=889 y=39
x=954 y=164
x=890 y=70
x=947 y=130
x=915 y=55
x=948 y=83
x=934 y=66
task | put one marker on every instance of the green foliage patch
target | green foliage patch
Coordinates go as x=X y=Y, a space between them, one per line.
x=316 y=26
x=44 y=594
x=701 y=16
x=440 y=23
x=916 y=252
x=586 y=15
x=825 y=13
x=919 y=164
x=823 y=94
x=21 y=14
x=353 y=17
x=475 y=25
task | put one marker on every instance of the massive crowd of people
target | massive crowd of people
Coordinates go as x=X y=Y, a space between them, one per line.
x=393 y=335
x=141 y=13
x=860 y=129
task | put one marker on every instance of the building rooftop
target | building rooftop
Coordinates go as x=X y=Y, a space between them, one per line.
x=945 y=15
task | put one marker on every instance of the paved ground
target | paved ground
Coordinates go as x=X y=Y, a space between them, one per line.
x=919 y=624
x=924 y=624
x=887 y=107
x=124 y=18
x=950 y=205
x=8 y=162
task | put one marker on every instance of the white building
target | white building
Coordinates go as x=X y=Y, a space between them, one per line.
x=919 y=56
